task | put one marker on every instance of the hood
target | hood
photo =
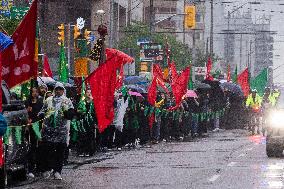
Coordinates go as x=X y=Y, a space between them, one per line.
x=58 y=84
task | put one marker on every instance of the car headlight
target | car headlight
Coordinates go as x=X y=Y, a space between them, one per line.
x=276 y=119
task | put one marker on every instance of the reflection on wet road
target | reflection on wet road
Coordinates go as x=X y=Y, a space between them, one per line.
x=228 y=159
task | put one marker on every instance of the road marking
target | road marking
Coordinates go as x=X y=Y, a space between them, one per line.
x=214 y=178
x=241 y=155
x=249 y=149
x=232 y=164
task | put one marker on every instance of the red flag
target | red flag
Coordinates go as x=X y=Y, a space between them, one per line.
x=179 y=87
x=229 y=74
x=152 y=92
x=243 y=80
x=19 y=60
x=119 y=80
x=157 y=72
x=209 y=67
x=46 y=68
x=173 y=70
x=103 y=83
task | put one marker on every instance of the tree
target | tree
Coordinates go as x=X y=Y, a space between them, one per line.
x=179 y=52
x=9 y=25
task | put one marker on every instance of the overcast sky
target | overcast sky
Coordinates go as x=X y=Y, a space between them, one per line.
x=271 y=8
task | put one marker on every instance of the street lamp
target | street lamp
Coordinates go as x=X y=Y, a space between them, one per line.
x=101 y=13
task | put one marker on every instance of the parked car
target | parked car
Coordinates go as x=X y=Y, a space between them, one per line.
x=275 y=130
x=14 y=155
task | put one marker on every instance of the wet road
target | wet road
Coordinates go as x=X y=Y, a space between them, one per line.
x=228 y=159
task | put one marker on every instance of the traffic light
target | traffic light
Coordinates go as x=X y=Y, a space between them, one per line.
x=87 y=35
x=189 y=20
x=77 y=32
x=61 y=34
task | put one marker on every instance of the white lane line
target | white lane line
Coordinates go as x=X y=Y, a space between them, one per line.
x=241 y=155
x=214 y=178
x=249 y=149
x=232 y=164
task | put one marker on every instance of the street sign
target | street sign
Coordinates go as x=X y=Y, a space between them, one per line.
x=80 y=23
x=200 y=70
x=19 y=12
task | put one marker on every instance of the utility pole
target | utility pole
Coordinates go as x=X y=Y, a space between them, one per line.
x=241 y=49
x=152 y=19
x=211 y=31
x=129 y=12
x=184 y=22
x=111 y=32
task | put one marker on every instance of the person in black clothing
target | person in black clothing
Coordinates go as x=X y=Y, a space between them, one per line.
x=33 y=105
x=204 y=108
x=193 y=109
x=86 y=143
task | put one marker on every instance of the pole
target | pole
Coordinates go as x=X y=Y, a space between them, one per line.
x=152 y=19
x=228 y=28
x=184 y=22
x=241 y=49
x=249 y=65
x=111 y=24
x=211 y=30
x=129 y=13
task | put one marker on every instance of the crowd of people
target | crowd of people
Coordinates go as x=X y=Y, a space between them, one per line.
x=70 y=123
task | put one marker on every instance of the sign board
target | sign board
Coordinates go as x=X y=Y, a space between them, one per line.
x=200 y=70
x=151 y=52
x=19 y=12
x=143 y=40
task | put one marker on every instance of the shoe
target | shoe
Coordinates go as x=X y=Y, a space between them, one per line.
x=46 y=174
x=31 y=175
x=81 y=155
x=57 y=176
x=164 y=140
x=119 y=149
x=87 y=155
x=216 y=130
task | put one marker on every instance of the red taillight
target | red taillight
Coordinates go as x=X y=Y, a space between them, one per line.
x=1 y=153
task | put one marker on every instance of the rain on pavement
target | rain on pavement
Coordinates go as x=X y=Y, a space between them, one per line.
x=228 y=159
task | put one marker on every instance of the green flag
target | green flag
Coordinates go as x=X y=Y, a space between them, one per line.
x=260 y=81
x=235 y=76
x=190 y=83
x=82 y=103
x=63 y=69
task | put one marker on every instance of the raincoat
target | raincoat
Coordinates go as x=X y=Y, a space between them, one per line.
x=255 y=103
x=55 y=125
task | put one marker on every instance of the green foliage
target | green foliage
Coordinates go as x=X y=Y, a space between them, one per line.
x=9 y=25
x=179 y=52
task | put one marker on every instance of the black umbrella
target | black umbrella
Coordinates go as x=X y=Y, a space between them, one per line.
x=232 y=87
x=203 y=86
x=133 y=80
x=136 y=88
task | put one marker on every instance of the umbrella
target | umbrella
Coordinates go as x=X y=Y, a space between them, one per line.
x=46 y=80
x=203 y=86
x=191 y=93
x=132 y=80
x=136 y=88
x=135 y=94
x=234 y=88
